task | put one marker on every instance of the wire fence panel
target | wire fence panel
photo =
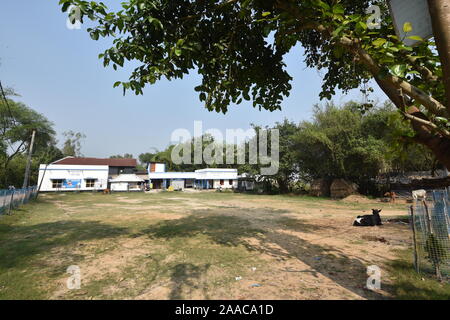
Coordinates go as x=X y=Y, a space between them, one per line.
x=431 y=233
x=14 y=198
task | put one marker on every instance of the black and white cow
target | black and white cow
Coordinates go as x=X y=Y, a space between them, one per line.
x=368 y=220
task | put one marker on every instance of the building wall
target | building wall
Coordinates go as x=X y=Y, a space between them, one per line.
x=204 y=178
x=115 y=171
x=73 y=173
x=216 y=174
x=226 y=184
x=156 y=167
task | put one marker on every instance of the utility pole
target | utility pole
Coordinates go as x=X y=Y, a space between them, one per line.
x=440 y=17
x=30 y=152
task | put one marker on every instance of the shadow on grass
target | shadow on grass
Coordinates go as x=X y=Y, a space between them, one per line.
x=19 y=243
x=329 y=261
x=224 y=230
x=187 y=276
x=294 y=224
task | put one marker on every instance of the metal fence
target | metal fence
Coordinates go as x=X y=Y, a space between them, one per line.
x=430 y=221
x=13 y=198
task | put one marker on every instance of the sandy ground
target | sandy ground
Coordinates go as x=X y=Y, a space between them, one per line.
x=308 y=250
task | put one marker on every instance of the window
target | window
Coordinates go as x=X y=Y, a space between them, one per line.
x=57 y=183
x=90 y=183
x=230 y=182
x=221 y=182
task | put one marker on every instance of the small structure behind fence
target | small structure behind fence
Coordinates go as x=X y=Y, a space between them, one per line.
x=13 y=198
x=430 y=223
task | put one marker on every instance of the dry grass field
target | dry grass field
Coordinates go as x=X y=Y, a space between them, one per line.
x=205 y=245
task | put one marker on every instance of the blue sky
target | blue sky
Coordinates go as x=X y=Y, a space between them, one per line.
x=57 y=72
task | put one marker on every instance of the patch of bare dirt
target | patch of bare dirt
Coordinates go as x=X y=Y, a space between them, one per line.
x=128 y=200
x=357 y=198
x=104 y=264
x=105 y=205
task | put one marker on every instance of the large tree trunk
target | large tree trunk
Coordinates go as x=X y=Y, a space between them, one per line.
x=438 y=144
x=440 y=16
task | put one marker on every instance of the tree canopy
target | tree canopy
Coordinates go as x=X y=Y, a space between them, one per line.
x=124 y=156
x=338 y=142
x=237 y=46
x=72 y=143
x=16 y=126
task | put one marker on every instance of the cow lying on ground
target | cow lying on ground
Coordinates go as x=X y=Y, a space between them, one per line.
x=419 y=194
x=368 y=220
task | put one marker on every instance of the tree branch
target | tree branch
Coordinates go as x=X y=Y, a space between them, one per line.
x=428 y=102
x=427 y=123
x=424 y=71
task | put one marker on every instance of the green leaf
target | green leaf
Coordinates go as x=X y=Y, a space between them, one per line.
x=407 y=27
x=65 y=6
x=116 y=84
x=323 y=5
x=362 y=25
x=267 y=13
x=338 y=9
x=94 y=35
x=416 y=38
x=338 y=31
x=379 y=42
x=399 y=70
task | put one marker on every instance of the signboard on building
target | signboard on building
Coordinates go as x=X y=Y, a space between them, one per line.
x=415 y=12
x=72 y=183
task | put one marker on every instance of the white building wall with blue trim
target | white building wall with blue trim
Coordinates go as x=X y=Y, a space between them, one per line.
x=209 y=178
x=72 y=177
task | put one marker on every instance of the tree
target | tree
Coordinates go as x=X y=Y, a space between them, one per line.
x=72 y=144
x=125 y=156
x=288 y=169
x=403 y=153
x=147 y=157
x=237 y=46
x=190 y=163
x=16 y=126
x=336 y=136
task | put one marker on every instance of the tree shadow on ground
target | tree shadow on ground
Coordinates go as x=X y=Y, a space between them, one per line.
x=20 y=243
x=187 y=277
x=278 y=242
x=295 y=224
x=224 y=230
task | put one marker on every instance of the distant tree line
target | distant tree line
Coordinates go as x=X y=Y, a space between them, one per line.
x=347 y=142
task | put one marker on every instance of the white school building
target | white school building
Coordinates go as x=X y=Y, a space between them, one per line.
x=210 y=178
x=72 y=177
x=88 y=174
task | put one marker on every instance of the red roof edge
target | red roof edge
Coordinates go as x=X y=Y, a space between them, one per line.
x=97 y=162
